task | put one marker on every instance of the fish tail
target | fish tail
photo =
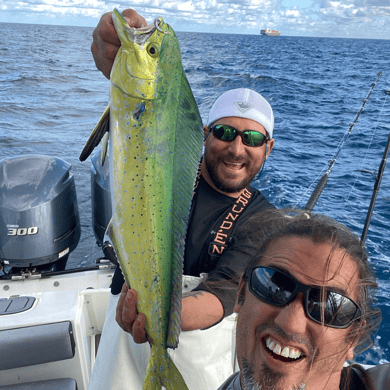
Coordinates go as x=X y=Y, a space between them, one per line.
x=162 y=371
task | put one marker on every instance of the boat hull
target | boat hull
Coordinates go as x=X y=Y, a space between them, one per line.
x=271 y=33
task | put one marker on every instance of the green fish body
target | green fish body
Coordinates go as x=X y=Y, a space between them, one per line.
x=155 y=142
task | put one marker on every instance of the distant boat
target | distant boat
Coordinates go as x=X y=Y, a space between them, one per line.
x=268 y=31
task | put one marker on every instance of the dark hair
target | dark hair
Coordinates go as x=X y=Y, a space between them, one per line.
x=264 y=228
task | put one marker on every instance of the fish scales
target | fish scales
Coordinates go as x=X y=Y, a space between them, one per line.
x=155 y=143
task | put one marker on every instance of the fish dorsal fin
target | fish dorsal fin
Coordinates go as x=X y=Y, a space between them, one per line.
x=188 y=148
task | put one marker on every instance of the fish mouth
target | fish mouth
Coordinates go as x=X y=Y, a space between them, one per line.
x=142 y=34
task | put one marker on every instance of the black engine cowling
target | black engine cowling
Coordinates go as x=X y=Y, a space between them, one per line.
x=39 y=217
x=100 y=196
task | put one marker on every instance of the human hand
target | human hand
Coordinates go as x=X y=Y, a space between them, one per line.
x=127 y=316
x=106 y=43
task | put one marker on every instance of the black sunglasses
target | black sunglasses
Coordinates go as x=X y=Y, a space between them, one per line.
x=321 y=305
x=249 y=137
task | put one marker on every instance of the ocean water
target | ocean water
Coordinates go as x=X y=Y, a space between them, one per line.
x=51 y=96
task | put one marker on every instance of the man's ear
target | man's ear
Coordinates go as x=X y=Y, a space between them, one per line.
x=206 y=130
x=350 y=352
x=354 y=338
x=270 y=146
x=240 y=296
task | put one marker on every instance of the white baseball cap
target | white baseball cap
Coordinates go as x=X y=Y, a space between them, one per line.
x=243 y=103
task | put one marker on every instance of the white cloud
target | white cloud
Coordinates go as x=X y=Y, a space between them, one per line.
x=293 y=13
x=370 y=9
x=359 y=18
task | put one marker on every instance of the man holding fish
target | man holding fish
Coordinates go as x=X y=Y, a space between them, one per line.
x=238 y=139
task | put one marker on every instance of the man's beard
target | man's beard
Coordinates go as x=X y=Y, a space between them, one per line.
x=223 y=184
x=269 y=379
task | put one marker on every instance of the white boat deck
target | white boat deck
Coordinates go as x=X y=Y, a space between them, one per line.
x=80 y=299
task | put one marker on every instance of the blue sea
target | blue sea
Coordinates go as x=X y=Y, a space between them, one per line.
x=51 y=96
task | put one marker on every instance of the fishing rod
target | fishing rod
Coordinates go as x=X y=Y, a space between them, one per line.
x=324 y=179
x=378 y=180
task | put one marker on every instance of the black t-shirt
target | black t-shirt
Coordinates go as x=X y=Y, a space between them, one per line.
x=207 y=213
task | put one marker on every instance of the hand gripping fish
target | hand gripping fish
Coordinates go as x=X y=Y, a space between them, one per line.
x=155 y=142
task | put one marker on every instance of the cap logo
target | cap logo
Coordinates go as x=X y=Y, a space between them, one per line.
x=243 y=106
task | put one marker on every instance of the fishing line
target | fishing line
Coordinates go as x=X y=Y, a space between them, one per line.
x=324 y=179
x=309 y=188
x=361 y=170
x=321 y=173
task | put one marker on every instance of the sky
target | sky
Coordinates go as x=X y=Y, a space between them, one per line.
x=315 y=18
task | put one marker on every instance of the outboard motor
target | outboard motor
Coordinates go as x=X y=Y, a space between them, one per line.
x=100 y=196
x=39 y=217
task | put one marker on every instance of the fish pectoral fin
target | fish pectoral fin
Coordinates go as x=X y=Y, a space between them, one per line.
x=108 y=247
x=109 y=253
x=104 y=147
x=101 y=128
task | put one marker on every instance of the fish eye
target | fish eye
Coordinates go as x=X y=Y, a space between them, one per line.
x=152 y=50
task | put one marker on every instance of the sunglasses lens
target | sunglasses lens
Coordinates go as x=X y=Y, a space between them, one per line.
x=228 y=133
x=224 y=133
x=329 y=308
x=338 y=311
x=272 y=286
x=253 y=138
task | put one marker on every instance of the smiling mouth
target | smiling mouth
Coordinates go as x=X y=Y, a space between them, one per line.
x=233 y=165
x=283 y=353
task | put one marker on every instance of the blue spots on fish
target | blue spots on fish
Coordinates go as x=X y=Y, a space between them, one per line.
x=138 y=111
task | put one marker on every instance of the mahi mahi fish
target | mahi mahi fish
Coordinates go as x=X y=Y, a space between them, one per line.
x=155 y=143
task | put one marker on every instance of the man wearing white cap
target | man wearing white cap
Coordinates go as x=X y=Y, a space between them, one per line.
x=231 y=165
x=238 y=139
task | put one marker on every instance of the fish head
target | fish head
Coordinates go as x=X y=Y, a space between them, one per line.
x=136 y=70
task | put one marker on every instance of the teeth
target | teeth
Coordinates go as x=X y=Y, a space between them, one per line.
x=285 y=352
x=294 y=354
x=277 y=349
x=235 y=164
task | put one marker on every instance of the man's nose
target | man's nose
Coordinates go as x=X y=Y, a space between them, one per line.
x=292 y=317
x=236 y=146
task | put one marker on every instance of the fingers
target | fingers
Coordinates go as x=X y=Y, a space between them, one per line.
x=139 y=332
x=128 y=312
x=127 y=316
x=133 y=19
x=119 y=307
x=106 y=43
